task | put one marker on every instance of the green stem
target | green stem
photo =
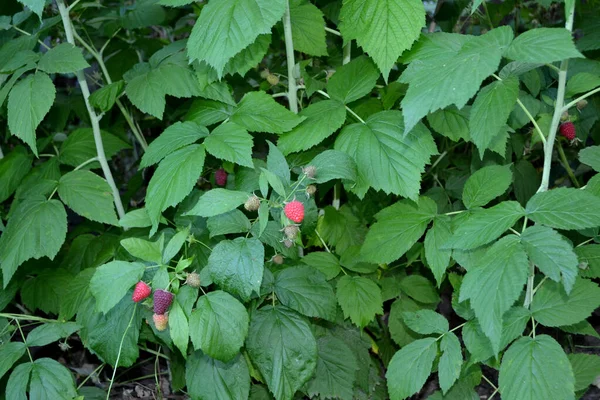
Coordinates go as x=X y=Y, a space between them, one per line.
x=291 y=63
x=23 y=317
x=333 y=31
x=529 y=290
x=577 y=100
x=24 y=340
x=112 y=380
x=566 y=165
x=558 y=109
x=83 y=164
x=355 y=115
x=64 y=13
x=96 y=371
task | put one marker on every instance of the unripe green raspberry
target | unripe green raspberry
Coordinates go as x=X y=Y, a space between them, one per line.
x=193 y=280
x=291 y=231
x=273 y=79
x=310 y=171
x=311 y=190
x=277 y=259
x=253 y=203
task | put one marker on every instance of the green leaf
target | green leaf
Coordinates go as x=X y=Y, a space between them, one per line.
x=174 y=179
x=589 y=258
x=386 y=159
x=495 y=285
x=219 y=325
x=179 y=327
x=103 y=334
x=88 y=195
x=582 y=82
x=586 y=368
x=75 y=293
x=383 y=28
x=333 y=164
x=526 y=182
x=353 y=80
x=360 y=299
x=237 y=266
x=529 y=359
x=514 y=323
x=28 y=103
x=13 y=168
x=51 y=332
x=37 y=228
x=591 y=156
x=426 y=322
x=565 y=208
x=144 y=249
x=208 y=112
x=322 y=120
x=175 y=245
x=398 y=227
x=63 y=59
x=305 y=290
x=438 y=259
x=450 y=122
x=486 y=184
x=449 y=70
x=18 y=381
x=490 y=111
x=250 y=57
x=326 y=263
x=231 y=222
x=10 y=352
x=398 y=329
x=218 y=201
x=212 y=379
x=80 y=147
x=476 y=342
x=552 y=254
x=277 y=164
x=482 y=226
x=543 y=45
x=341 y=228
x=51 y=380
x=176 y=136
x=552 y=306
x=259 y=112
x=308 y=29
x=236 y=23
x=136 y=219
x=230 y=142
x=105 y=97
x=450 y=361
x=281 y=345
x=420 y=288
x=410 y=367
x=112 y=281
x=336 y=370
x=37 y=6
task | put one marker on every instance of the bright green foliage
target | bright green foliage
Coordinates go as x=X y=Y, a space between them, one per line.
x=88 y=195
x=10 y=353
x=425 y=322
x=28 y=103
x=450 y=361
x=219 y=325
x=237 y=266
x=112 y=281
x=437 y=257
x=236 y=23
x=105 y=97
x=80 y=147
x=353 y=80
x=62 y=59
x=143 y=249
x=485 y=185
x=495 y=284
x=581 y=83
x=283 y=349
x=218 y=201
x=308 y=28
x=564 y=208
x=591 y=156
x=230 y=142
x=209 y=378
x=45 y=379
x=586 y=368
x=409 y=368
x=258 y=112
x=13 y=169
x=543 y=45
x=179 y=327
x=173 y=138
x=386 y=159
x=360 y=299
x=528 y=359
x=51 y=332
x=37 y=229
x=333 y=164
x=384 y=29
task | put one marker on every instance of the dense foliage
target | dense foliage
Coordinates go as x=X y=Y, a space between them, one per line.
x=312 y=199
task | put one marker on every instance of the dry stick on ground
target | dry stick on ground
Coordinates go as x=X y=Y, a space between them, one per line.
x=64 y=13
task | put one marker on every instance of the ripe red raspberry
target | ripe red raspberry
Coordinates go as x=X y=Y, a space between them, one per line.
x=221 y=177
x=160 y=321
x=253 y=203
x=567 y=130
x=141 y=291
x=193 y=280
x=294 y=210
x=162 y=301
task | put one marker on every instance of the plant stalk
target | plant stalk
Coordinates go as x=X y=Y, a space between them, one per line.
x=64 y=14
x=291 y=63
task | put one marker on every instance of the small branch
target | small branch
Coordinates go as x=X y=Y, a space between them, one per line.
x=355 y=115
x=64 y=13
x=291 y=63
x=83 y=164
x=566 y=165
x=529 y=290
x=16 y=28
x=577 y=100
x=333 y=31
x=112 y=380
x=24 y=340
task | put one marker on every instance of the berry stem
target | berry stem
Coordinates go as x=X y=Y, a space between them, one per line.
x=94 y=119
x=583 y=97
x=566 y=165
x=112 y=379
x=291 y=63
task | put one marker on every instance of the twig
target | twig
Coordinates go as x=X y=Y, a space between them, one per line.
x=291 y=63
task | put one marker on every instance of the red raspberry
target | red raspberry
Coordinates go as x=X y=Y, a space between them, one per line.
x=567 y=130
x=221 y=177
x=162 y=301
x=160 y=321
x=141 y=291
x=294 y=210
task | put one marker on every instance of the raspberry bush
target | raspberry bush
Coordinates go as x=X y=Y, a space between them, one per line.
x=350 y=199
